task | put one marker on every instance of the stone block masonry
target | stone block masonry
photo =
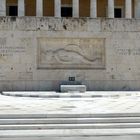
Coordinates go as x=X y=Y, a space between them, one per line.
x=41 y=53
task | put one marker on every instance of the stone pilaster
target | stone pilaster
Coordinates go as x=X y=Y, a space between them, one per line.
x=128 y=8
x=21 y=8
x=57 y=8
x=75 y=4
x=93 y=8
x=39 y=8
x=137 y=8
x=110 y=8
x=2 y=7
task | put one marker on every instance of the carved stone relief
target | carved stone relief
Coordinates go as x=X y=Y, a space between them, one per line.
x=56 y=53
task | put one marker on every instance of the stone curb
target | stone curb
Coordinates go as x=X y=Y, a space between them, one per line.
x=94 y=94
x=53 y=95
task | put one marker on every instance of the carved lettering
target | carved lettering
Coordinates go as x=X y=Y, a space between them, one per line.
x=133 y=52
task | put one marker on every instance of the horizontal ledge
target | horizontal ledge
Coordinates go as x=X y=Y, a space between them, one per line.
x=69 y=115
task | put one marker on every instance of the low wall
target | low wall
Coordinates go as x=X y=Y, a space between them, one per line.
x=43 y=53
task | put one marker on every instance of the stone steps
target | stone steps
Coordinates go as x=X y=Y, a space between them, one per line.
x=38 y=116
x=68 y=125
x=69 y=132
x=19 y=121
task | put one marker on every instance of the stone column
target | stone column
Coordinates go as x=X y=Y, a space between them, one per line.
x=57 y=8
x=75 y=6
x=39 y=8
x=2 y=7
x=110 y=8
x=128 y=8
x=93 y=8
x=21 y=8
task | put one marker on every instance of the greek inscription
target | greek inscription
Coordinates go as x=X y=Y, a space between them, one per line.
x=9 y=51
x=134 y=52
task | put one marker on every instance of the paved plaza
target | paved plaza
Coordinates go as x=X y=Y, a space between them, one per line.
x=101 y=103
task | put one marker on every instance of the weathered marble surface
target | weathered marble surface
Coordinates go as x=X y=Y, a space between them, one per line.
x=42 y=53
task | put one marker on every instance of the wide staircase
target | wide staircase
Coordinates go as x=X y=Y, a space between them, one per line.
x=59 y=126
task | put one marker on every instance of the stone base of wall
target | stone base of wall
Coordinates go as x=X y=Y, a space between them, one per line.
x=55 y=85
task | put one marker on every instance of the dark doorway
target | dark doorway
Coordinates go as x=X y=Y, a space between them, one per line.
x=12 y=10
x=66 y=11
x=118 y=12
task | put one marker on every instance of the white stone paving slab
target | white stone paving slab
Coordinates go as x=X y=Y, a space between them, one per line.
x=102 y=105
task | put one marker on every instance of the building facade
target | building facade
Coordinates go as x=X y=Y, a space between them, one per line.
x=48 y=43
x=77 y=8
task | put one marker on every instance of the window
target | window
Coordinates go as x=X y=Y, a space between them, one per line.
x=12 y=10
x=66 y=11
x=118 y=13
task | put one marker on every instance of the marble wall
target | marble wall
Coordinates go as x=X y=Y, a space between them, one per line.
x=43 y=53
